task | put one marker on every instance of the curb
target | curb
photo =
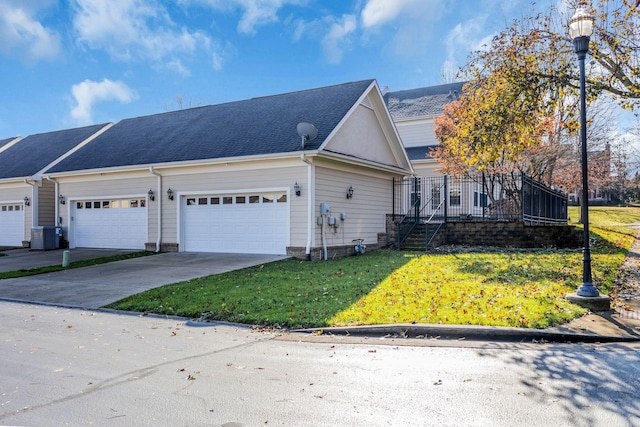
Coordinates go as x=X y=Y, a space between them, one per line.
x=473 y=333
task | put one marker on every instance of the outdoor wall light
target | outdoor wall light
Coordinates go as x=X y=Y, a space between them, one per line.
x=350 y=192
x=151 y=196
x=296 y=188
x=170 y=194
x=26 y=201
x=61 y=199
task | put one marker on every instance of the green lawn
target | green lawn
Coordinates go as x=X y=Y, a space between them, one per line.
x=478 y=287
x=74 y=264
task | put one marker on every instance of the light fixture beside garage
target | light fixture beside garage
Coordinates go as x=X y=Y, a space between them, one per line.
x=170 y=194
x=26 y=201
x=350 y=192
x=61 y=199
x=296 y=188
x=151 y=196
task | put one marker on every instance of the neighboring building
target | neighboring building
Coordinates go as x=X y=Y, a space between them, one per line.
x=414 y=112
x=236 y=177
x=27 y=200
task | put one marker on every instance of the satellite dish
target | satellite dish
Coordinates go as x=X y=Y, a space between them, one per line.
x=307 y=132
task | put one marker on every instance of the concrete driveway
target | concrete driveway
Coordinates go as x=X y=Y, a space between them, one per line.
x=99 y=285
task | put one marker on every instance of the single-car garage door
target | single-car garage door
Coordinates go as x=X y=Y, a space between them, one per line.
x=255 y=223
x=11 y=224
x=114 y=224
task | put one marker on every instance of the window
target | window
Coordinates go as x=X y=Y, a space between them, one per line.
x=282 y=198
x=202 y=200
x=227 y=200
x=454 y=196
x=254 y=199
x=191 y=201
x=96 y=205
x=4 y=209
x=479 y=200
x=133 y=203
x=435 y=197
x=10 y=208
x=267 y=198
x=241 y=200
x=143 y=203
x=215 y=200
x=106 y=204
x=88 y=205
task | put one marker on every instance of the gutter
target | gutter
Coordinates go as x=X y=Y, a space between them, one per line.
x=159 y=207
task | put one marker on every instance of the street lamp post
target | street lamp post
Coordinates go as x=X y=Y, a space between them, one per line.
x=580 y=30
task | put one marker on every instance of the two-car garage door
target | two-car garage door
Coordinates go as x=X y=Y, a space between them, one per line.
x=253 y=222
x=11 y=224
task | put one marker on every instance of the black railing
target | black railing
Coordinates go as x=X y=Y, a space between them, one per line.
x=541 y=204
x=478 y=198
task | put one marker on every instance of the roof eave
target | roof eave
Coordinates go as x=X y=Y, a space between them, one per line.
x=181 y=164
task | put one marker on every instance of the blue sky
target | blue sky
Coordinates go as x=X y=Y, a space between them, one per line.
x=70 y=63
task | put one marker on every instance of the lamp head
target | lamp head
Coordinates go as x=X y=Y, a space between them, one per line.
x=581 y=23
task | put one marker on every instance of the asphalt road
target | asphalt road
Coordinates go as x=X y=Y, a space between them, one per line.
x=73 y=367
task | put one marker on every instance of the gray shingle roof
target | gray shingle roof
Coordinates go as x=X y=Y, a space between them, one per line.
x=257 y=126
x=421 y=102
x=4 y=142
x=419 y=153
x=35 y=152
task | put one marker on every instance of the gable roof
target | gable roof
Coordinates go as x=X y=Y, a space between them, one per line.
x=4 y=142
x=421 y=102
x=35 y=152
x=258 y=126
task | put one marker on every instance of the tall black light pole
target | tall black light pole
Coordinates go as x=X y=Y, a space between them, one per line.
x=580 y=30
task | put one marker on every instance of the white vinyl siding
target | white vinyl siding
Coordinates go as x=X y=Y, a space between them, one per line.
x=417 y=133
x=366 y=210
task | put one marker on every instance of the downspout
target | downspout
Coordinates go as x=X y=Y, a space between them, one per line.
x=56 y=195
x=159 y=207
x=34 y=202
x=310 y=205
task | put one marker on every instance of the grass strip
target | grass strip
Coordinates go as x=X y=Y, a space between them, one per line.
x=73 y=264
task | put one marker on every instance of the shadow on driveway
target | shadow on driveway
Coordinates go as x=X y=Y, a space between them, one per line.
x=99 y=285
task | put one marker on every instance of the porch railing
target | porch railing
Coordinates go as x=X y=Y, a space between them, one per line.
x=478 y=198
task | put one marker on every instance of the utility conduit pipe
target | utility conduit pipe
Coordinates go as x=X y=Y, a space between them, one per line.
x=159 y=198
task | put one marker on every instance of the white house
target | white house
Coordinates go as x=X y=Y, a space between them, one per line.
x=237 y=177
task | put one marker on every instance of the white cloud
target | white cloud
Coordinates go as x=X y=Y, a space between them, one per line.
x=336 y=41
x=87 y=93
x=379 y=12
x=23 y=36
x=134 y=29
x=255 y=13
x=413 y=22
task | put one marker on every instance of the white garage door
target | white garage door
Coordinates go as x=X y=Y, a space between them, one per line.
x=11 y=224
x=115 y=224
x=255 y=223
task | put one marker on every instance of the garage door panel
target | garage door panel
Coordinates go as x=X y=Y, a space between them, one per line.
x=109 y=225
x=11 y=224
x=237 y=227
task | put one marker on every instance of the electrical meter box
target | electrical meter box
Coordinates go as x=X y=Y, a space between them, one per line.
x=325 y=208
